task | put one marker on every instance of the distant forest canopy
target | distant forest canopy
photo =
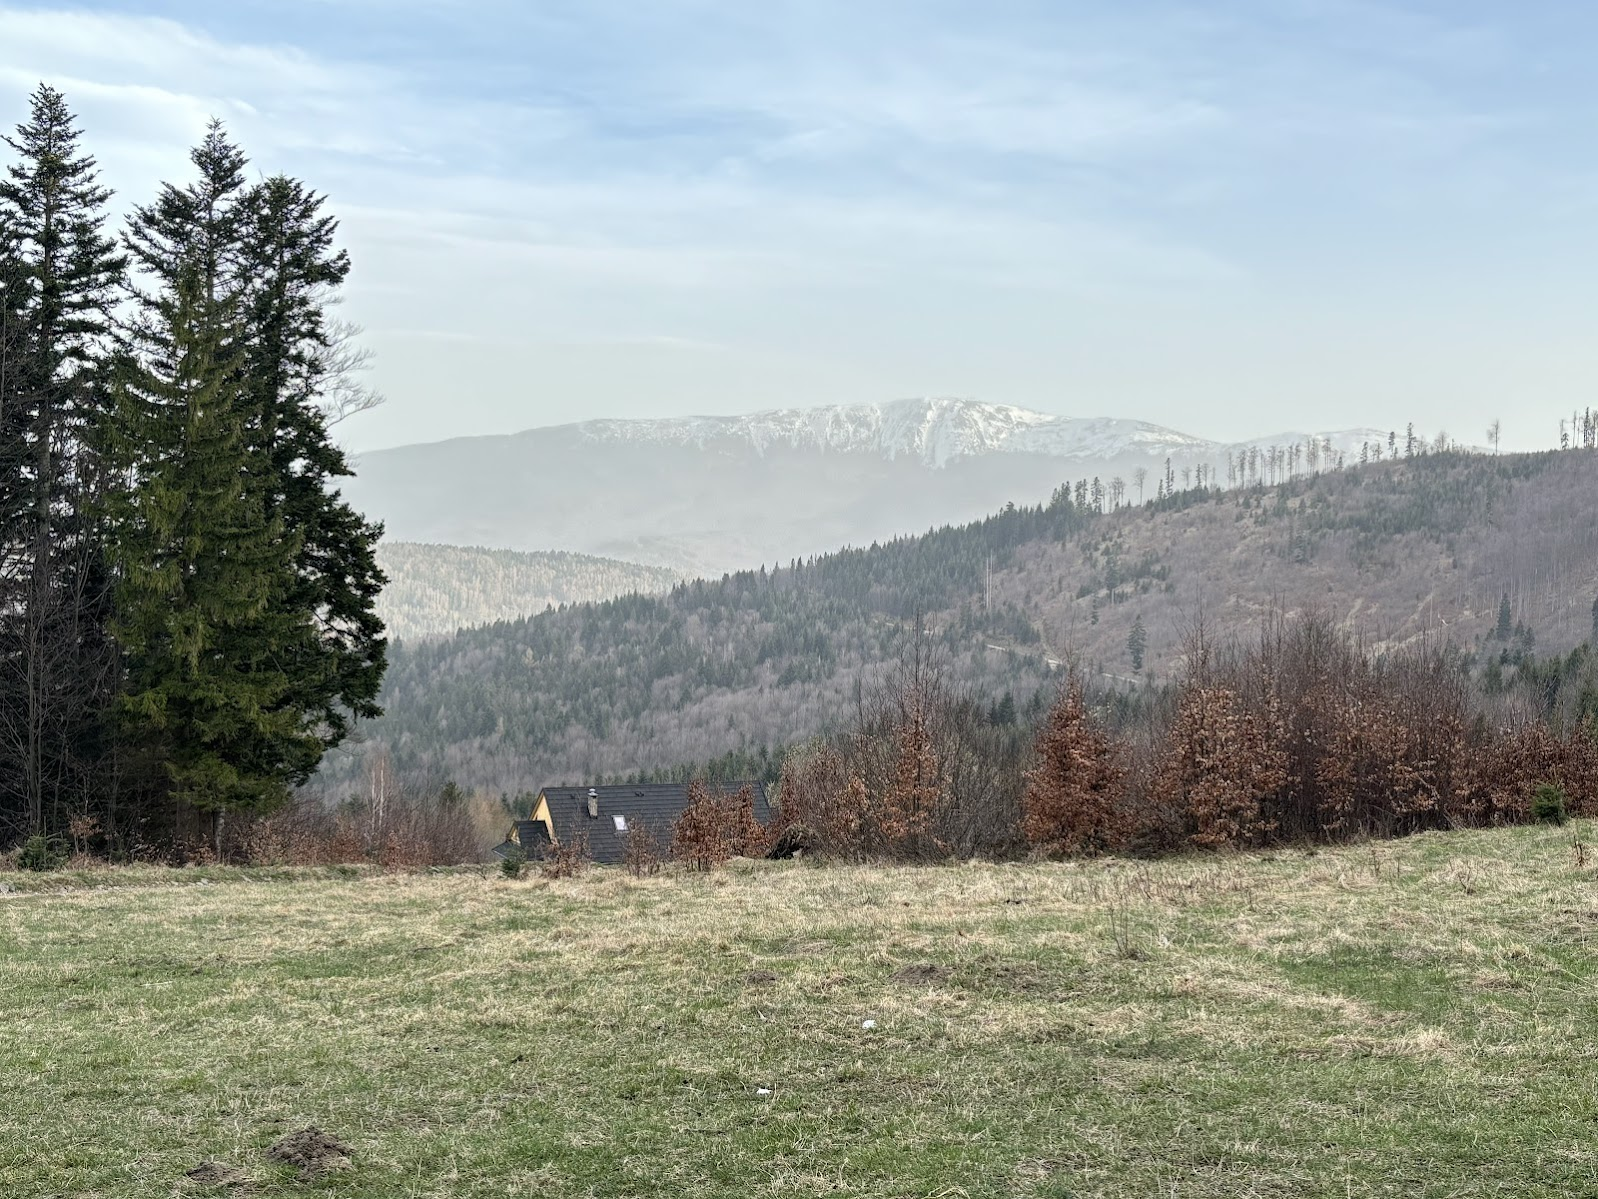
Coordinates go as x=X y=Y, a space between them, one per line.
x=1437 y=546
x=187 y=616
x=434 y=589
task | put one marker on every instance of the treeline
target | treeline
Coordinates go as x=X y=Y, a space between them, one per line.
x=186 y=605
x=1300 y=735
x=772 y=657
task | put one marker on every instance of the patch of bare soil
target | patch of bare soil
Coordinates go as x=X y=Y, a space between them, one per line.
x=759 y=978
x=920 y=974
x=311 y=1151
x=216 y=1174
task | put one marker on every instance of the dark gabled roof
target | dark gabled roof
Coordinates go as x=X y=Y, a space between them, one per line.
x=528 y=837
x=655 y=805
x=532 y=836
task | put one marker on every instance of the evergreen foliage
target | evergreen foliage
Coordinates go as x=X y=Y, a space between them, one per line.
x=1137 y=642
x=199 y=566
x=41 y=853
x=59 y=274
x=1549 y=804
x=290 y=269
x=187 y=608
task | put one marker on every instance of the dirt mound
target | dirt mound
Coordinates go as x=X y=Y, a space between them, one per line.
x=215 y=1174
x=311 y=1151
x=920 y=974
x=759 y=978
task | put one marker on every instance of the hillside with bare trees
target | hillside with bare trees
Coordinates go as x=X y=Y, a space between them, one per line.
x=435 y=589
x=1493 y=555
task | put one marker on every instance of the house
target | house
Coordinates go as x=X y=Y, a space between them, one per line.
x=605 y=815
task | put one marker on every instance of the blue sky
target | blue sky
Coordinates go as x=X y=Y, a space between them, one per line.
x=1228 y=217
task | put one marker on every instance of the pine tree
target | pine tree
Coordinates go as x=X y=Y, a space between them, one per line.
x=202 y=560
x=1505 y=618
x=59 y=274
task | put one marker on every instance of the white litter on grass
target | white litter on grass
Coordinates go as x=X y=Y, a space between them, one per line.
x=868 y=1024
x=762 y=1090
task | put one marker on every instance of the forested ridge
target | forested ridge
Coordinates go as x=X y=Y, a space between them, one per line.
x=187 y=617
x=435 y=589
x=1432 y=545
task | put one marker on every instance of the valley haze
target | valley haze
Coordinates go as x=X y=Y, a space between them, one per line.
x=711 y=494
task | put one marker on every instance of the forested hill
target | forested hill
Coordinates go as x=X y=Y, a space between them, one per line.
x=436 y=589
x=1429 y=546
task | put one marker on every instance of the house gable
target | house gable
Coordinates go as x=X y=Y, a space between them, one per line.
x=655 y=806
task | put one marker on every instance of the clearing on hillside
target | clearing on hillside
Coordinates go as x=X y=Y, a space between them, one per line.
x=1402 y=1019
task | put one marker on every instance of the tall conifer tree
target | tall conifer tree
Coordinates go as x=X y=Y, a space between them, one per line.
x=59 y=276
x=203 y=559
x=291 y=361
x=247 y=584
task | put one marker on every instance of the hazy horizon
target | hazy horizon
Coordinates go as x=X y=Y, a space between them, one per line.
x=1228 y=221
x=1265 y=435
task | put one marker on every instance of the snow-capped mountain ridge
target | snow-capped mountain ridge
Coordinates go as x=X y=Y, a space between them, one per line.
x=938 y=432
x=704 y=495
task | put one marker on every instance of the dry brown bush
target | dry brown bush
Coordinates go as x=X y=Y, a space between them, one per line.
x=643 y=854
x=1075 y=800
x=715 y=827
x=398 y=833
x=567 y=859
x=1508 y=768
x=820 y=803
x=1305 y=735
x=1224 y=764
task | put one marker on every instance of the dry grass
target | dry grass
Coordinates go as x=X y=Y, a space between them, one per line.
x=1412 y=1018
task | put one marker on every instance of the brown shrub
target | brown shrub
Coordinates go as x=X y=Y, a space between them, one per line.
x=1223 y=766
x=1075 y=800
x=1509 y=767
x=642 y=854
x=567 y=859
x=398 y=833
x=820 y=803
x=715 y=827
x=901 y=817
x=921 y=775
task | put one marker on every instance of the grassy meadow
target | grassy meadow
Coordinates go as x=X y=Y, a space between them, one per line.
x=1414 y=1018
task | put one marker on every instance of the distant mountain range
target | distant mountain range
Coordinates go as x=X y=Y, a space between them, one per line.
x=709 y=494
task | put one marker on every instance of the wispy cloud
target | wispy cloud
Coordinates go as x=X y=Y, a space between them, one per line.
x=860 y=185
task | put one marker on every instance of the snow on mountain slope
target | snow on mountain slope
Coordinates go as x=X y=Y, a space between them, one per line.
x=936 y=432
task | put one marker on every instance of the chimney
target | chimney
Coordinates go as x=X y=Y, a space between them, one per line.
x=593 y=804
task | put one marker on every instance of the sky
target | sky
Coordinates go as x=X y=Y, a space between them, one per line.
x=1232 y=217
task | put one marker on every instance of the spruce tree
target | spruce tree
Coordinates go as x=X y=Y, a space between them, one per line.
x=291 y=361
x=203 y=558
x=1136 y=643
x=59 y=277
x=1502 y=630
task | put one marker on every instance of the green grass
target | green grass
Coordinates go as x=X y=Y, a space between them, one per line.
x=1411 y=1019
